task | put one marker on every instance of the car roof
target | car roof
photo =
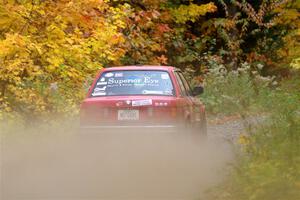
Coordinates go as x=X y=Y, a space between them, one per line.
x=139 y=67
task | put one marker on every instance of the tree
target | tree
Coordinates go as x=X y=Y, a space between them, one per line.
x=49 y=48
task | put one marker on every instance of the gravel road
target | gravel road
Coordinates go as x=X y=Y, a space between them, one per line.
x=115 y=166
x=229 y=130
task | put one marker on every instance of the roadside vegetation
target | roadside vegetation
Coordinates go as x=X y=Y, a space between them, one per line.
x=245 y=53
x=268 y=152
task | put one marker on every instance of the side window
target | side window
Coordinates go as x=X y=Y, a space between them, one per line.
x=186 y=84
x=181 y=84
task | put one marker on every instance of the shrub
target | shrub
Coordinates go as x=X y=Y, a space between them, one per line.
x=269 y=167
x=237 y=91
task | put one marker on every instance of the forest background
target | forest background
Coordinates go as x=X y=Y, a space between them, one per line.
x=246 y=53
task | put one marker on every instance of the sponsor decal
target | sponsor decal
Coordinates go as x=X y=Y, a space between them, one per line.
x=118 y=74
x=144 y=102
x=102 y=79
x=109 y=74
x=112 y=81
x=102 y=83
x=164 y=76
x=149 y=81
x=168 y=92
x=99 y=94
x=152 y=92
x=100 y=89
x=132 y=81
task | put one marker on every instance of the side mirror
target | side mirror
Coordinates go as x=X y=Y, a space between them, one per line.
x=197 y=90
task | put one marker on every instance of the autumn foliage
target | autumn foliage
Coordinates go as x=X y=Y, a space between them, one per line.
x=50 y=48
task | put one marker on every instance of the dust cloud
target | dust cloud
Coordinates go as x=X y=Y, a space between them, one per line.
x=61 y=164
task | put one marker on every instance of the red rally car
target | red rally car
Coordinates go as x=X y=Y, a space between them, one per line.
x=144 y=98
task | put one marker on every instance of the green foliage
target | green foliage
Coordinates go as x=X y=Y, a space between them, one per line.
x=269 y=165
x=238 y=91
x=247 y=31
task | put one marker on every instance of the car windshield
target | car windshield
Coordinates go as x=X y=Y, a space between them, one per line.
x=139 y=82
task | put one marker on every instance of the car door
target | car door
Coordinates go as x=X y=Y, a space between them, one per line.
x=194 y=103
x=185 y=101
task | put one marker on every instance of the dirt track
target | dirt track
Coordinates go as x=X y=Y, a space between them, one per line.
x=114 y=166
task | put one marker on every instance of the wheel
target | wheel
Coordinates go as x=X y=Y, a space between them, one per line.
x=200 y=128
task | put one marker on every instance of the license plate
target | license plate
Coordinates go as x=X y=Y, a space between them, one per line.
x=128 y=115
